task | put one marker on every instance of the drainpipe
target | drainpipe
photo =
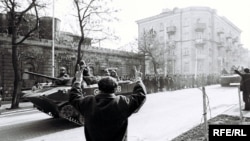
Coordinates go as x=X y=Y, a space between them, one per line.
x=181 y=39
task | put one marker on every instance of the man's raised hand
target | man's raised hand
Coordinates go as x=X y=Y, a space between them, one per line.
x=79 y=74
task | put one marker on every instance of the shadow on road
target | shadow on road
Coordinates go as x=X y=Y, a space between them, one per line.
x=29 y=130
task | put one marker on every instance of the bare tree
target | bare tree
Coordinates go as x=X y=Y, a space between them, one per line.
x=151 y=48
x=16 y=11
x=131 y=46
x=91 y=15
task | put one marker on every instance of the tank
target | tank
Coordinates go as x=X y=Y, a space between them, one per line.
x=229 y=80
x=52 y=98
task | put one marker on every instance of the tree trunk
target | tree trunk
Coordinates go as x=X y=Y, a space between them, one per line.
x=79 y=52
x=15 y=63
x=155 y=66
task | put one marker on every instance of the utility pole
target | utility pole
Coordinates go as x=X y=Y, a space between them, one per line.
x=53 y=37
x=205 y=112
x=241 y=115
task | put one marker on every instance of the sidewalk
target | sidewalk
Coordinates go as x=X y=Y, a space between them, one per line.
x=235 y=111
x=7 y=104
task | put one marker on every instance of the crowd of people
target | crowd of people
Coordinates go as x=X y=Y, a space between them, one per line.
x=156 y=83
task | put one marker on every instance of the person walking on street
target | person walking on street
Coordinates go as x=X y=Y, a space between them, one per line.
x=106 y=114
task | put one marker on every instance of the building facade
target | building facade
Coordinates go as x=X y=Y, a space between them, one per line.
x=195 y=41
x=35 y=55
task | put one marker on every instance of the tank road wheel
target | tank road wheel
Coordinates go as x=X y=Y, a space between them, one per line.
x=81 y=119
x=67 y=111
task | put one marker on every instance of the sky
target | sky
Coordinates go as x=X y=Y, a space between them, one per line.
x=237 y=11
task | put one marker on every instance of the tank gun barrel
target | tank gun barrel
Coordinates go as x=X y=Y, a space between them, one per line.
x=41 y=75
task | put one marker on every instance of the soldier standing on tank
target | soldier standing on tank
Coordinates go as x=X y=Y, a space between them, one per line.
x=85 y=67
x=63 y=76
x=244 y=87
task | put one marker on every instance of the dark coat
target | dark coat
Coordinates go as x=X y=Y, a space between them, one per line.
x=245 y=81
x=106 y=115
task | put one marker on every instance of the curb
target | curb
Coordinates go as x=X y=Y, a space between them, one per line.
x=235 y=111
x=5 y=108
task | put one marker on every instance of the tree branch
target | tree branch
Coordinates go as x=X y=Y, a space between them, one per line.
x=32 y=30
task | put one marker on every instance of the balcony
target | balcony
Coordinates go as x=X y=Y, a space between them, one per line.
x=200 y=27
x=228 y=49
x=220 y=44
x=220 y=31
x=228 y=36
x=171 y=29
x=201 y=56
x=199 y=42
x=235 y=40
x=171 y=44
x=171 y=57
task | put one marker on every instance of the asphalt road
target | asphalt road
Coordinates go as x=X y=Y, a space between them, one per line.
x=164 y=116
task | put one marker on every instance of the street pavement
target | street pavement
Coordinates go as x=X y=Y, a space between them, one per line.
x=5 y=107
x=152 y=111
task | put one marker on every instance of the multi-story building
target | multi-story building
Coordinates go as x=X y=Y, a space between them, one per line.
x=195 y=40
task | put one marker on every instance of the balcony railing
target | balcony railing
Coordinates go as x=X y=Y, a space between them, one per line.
x=220 y=31
x=220 y=44
x=228 y=49
x=171 y=57
x=171 y=29
x=200 y=27
x=228 y=36
x=235 y=40
x=201 y=56
x=199 y=42
x=171 y=44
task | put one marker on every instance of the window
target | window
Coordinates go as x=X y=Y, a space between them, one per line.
x=186 y=52
x=199 y=35
x=186 y=67
x=161 y=27
x=210 y=52
x=186 y=36
x=200 y=66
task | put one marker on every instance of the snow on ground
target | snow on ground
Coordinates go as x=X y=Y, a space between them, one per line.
x=166 y=115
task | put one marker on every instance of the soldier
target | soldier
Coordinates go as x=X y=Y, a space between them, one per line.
x=114 y=74
x=85 y=67
x=63 y=76
x=162 y=83
x=244 y=87
x=63 y=73
x=36 y=86
x=166 y=83
x=106 y=72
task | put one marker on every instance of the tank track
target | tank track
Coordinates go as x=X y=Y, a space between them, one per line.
x=74 y=120
x=76 y=117
x=69 y=113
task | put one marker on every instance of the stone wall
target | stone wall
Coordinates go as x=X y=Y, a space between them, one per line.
x=36 y=55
